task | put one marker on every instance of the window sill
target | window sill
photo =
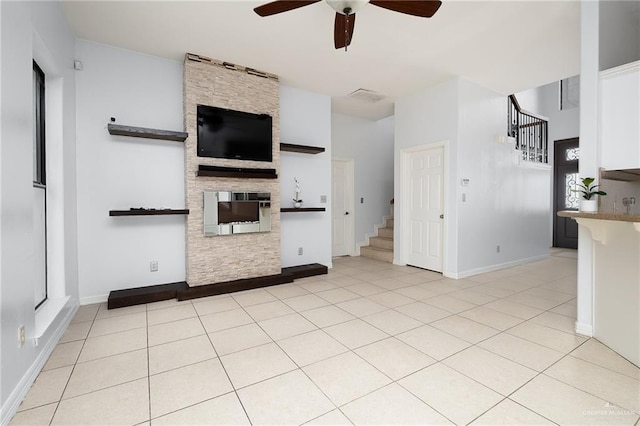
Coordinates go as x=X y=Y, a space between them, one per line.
x=47 y=313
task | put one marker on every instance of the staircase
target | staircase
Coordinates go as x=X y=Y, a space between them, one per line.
x=381 y=246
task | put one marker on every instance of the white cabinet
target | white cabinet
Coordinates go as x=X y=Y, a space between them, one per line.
x=620 y=117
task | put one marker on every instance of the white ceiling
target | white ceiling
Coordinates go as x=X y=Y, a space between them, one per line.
x=507 y=46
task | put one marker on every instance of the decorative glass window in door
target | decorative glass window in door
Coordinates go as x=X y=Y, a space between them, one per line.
x=571 y=200
x=572 y=154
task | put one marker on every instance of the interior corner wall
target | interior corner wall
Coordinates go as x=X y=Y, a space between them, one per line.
x=32 y=30
x=229 y=257
x=563 y=124
x=119 y=172
x=507 y=201
x=305 y=119
x=502 y=193
x=429 y=117
x=370 y=145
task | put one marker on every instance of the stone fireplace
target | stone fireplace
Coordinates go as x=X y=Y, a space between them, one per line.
x=221 y=258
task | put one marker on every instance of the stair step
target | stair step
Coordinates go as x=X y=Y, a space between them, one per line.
x=389 y=223
x=381 y=242
x=377 y=253
x=385 y=232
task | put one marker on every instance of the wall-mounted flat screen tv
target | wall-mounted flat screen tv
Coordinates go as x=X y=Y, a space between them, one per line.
x=224 y=133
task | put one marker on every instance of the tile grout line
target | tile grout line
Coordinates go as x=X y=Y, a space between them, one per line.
x=148 y=366
x=233 y=388
x=73 y=368
x=294 y=363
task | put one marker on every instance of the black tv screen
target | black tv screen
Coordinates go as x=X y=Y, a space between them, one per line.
x=224 y=133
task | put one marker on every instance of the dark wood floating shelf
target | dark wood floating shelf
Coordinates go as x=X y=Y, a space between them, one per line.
x=143 y=132
x=302 y=209
x=182 y=291
x=244 y=175
x=147 y=212
x=236 y=172
x=304 y=149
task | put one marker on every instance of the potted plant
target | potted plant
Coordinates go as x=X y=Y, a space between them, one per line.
x=588 y=203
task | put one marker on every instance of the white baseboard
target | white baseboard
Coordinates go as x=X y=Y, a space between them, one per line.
x=93 y=299
x=398 y=262
x=367 y=237
x=497 y=267
x=584 y=329
x=14 y=400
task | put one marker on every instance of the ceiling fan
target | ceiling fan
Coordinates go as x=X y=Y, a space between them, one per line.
x=346 y=12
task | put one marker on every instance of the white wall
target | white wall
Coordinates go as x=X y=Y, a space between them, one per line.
x=429 y=117
x=502 y=194
x=619 y=33
x=370 y=145
x=305 y=119
x=117 y=172
x=563 y=124
x=34 y=30
x=507 y=202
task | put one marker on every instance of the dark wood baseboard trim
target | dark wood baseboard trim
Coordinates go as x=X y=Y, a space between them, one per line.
x=182 y=291
x=142 y=295
x=304 y=271
x=233 y=286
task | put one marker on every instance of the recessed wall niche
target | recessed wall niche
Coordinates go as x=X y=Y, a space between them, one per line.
x=211 y=260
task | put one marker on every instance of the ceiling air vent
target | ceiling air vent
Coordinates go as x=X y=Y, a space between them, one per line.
x=364 y=95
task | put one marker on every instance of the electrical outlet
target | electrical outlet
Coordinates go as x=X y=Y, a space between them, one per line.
x=497 y=249
x=361 y=200
x=323 y=199
x=21 y=336
x=300 y=251
x=464 y=197
x=153 y=265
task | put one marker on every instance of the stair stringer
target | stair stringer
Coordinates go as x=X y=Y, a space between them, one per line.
x=368 y=236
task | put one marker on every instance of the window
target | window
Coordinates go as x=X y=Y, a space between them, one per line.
x=39 y=170
x=39 y=187
x=570 y=93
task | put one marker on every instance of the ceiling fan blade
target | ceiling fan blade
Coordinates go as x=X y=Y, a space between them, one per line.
x=423 y=8
x=342 y=38
x=280 y=6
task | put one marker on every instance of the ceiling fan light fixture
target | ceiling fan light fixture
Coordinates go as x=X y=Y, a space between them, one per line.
x=352 y=6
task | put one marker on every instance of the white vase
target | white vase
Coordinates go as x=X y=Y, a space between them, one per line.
x=589 y=206
x=297 y=205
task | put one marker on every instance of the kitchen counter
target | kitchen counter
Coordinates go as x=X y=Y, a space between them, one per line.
x=621 y=217
x=616 y=279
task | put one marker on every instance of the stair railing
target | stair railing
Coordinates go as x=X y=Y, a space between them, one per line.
x=530 y=132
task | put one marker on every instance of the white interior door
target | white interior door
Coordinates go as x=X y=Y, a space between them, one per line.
x=341 y=207
x=425 y=205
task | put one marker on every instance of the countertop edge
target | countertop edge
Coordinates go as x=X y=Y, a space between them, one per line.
x=600 y=216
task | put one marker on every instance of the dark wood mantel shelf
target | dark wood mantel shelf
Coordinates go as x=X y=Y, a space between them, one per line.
x=303 y=149
x=143 y=132
x=302 y=209
x=147 y=212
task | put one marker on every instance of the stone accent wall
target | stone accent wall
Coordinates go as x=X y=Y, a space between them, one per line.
x=230 y=257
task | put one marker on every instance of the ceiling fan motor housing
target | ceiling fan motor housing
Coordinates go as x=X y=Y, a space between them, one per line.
x=347 y=6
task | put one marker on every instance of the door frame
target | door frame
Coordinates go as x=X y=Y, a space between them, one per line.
x=554 y=188
x=350 y=187
x=404 y=202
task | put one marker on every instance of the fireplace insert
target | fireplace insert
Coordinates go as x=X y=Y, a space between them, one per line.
x=227 y=213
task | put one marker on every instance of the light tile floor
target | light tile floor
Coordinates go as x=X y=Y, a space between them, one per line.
x=369 y=343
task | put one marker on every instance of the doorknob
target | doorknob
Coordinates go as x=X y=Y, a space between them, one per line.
x=346 y=213
x=441 y=216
